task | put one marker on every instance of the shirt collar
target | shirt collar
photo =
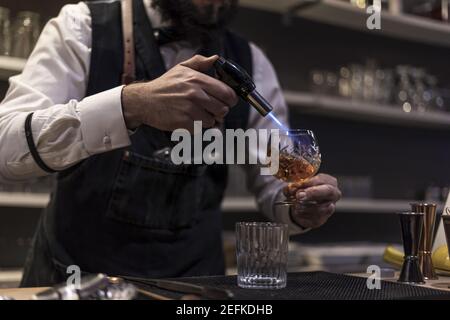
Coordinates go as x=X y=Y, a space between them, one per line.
x=156 y=20
x=154 y=15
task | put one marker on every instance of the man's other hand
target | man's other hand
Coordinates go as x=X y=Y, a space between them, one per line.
x=315 y=200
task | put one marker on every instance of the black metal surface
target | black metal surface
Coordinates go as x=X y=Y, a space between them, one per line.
x=314 y=286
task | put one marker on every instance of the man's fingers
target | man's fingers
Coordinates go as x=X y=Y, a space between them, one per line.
x=212 y=106
x=200 y=63
x=210 y=85
x=312 y=212
x=314 y=217
x=218 y=90
x=215 y=107
x=319 y=179
x=320 y=193
x=207 y=119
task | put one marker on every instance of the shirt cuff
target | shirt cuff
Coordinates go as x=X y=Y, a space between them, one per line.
x=282 y=215
x=102 y=122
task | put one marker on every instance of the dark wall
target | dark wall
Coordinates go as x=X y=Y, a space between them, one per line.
x=401 y=161
x=296 y=49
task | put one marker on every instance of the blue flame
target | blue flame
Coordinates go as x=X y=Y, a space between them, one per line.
x=280 y=125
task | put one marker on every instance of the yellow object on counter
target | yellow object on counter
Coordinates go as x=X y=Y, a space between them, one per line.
x=441 y=260
x=393 y=256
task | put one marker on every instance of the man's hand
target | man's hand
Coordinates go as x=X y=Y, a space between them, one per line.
x=316 y=199
x=178 y=98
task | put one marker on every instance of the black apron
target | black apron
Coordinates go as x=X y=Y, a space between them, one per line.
x=132 y=211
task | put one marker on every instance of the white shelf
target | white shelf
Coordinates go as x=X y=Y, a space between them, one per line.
x=375 y=205
x=358 y=110
x=24 y=200
x=345 y=205
x=239 y=204
x=343 y=14
x=40 y=200
x=230 y=204
x=332 y=12
x=10 y=66
x=10 y=276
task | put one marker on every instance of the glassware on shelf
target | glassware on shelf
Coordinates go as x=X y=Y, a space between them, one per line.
x=317 y=81
x=432 y=9
x=5 y=32
x=411 y=88
x=405 y=89
x=344 y=82
x=445 y=10
x=419 y=95
x=384 y=85
x=356 y=84
x=331 y=83
x=369 y=80
x=324 y=82
x=432 y=94
x=26 y=29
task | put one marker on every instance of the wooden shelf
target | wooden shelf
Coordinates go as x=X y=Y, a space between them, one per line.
x=10 y=276
x=333 y=12
x=239 y=204
x=10 y=66
x=230 y=204
x=40 y=200
x=362 y=111
x=343 y=14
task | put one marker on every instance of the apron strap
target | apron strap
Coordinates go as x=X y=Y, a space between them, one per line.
x=129 y=68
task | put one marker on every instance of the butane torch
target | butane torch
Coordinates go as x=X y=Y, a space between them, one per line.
x=240 y=81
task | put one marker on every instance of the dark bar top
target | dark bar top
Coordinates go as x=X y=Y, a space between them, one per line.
x=313 y=286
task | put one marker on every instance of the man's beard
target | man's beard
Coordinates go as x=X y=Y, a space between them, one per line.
x=198 y=27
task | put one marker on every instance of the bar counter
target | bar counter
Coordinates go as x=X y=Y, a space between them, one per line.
x=301 y=286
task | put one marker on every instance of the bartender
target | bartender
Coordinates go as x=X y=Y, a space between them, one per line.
x=119 y=205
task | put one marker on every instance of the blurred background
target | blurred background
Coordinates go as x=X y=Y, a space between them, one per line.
x=377 y=100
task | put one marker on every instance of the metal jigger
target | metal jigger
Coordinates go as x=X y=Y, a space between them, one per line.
x=412 y=224
x=426 y=242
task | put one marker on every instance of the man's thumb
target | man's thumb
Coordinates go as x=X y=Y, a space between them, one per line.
x=200 y=63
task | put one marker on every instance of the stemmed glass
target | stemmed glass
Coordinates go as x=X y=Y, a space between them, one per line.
x=299 y=159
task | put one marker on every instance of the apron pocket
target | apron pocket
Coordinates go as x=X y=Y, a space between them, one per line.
x=155 y=193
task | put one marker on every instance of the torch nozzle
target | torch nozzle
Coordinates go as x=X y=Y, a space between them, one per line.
x=241 y=82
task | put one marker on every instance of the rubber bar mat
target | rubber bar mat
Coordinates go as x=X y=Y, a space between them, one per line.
x=312 y=286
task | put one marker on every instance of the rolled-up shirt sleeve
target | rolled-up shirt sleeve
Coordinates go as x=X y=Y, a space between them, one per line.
x=67 y=127
x=266 y=188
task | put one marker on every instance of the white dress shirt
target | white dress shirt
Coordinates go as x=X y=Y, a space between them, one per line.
x=68 y=127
